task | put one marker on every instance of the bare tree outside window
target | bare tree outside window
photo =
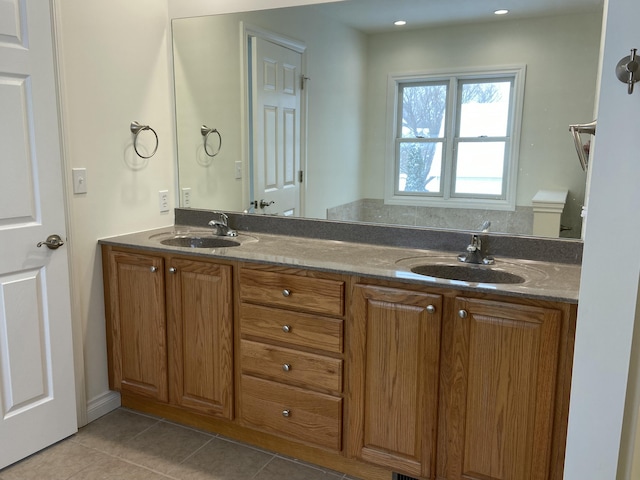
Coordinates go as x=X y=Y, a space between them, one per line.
x=424 y=109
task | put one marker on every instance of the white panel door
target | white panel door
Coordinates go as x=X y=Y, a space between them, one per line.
x=276 y=127
x=37 y=390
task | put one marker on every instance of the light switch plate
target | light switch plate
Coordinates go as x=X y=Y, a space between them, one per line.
x=79 y=180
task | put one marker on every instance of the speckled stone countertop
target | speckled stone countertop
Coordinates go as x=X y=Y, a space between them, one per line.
x=543 y=280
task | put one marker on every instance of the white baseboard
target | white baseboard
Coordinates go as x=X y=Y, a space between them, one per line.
x=102 y=404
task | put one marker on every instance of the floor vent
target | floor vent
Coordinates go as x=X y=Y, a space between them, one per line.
x=399 y=476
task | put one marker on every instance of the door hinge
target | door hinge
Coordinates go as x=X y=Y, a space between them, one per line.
x=301 y=176
x=302 y=81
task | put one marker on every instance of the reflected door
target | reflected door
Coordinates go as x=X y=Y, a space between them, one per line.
x=275 y=83
x=37 y=389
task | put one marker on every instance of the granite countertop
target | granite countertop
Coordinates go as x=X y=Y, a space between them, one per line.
x=543 y=280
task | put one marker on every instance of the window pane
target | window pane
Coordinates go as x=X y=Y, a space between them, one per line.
x=480 y=168
x=420 y=166
x=485 y=109
x=423 y=111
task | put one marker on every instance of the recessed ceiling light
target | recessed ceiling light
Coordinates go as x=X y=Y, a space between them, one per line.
x=501 y=12
x=400 y=23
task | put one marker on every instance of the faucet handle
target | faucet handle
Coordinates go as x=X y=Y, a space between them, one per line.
x=224 y=218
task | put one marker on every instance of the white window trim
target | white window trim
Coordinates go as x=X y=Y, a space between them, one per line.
x=394 y=79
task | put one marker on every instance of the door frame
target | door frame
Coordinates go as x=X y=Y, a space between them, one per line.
x=247 y=31
x=77 y=328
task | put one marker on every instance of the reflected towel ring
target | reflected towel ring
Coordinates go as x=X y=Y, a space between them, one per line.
x=136 y=128
x=206 y=131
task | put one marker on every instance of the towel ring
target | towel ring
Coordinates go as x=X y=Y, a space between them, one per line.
x=206 y=131
x=136 y=128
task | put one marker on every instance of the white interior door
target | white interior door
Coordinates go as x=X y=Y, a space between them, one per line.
x=37 y=390
x=276 y=77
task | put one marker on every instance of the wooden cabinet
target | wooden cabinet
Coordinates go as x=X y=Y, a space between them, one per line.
x=200 y=333
x=498 y=394
x=136 y=324
x=359 y=375
x=170 y=329
x=291 y=354
x=393 y=357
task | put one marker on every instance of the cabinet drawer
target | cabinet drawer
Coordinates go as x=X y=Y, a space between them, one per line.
x=294 y=328
x=317 y=295
x=308 y=416
x=291 y=366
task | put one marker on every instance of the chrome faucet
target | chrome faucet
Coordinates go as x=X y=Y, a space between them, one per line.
x=475 y=252
x=221 y=225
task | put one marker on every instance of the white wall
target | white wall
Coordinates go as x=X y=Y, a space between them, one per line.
x=210 y=88
x=561 y=55
x=113 y=59
x=610 y=271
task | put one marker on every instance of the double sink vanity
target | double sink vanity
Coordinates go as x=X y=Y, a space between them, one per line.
x=366 y=358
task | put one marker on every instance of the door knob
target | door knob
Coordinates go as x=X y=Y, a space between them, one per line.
x=53 y=242
x=264 y=204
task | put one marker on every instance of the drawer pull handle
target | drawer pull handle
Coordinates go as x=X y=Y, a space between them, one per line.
x=286 y=292
x=463 y=314
x=286 y=413
x=286 y=367
x=286 y=328
x=431 y=309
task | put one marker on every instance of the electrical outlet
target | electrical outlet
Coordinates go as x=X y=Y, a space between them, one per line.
x=79 y=180
x=163 y=198
x=238 y=170
x=186 y=198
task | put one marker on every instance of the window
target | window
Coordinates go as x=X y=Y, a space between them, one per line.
x=454 y=138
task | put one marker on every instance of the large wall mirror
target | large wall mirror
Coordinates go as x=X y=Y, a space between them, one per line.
x=338 y=132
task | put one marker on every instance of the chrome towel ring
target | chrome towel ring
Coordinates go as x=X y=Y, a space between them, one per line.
x=136 y=128
x=206 y=131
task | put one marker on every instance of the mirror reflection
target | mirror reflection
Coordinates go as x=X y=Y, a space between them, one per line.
x=308 y=104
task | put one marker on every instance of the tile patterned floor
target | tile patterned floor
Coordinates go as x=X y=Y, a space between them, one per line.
x=128 y=445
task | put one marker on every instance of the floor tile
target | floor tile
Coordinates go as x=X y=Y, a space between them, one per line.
x=162 y=446
x=110 y=431
x=58 y=462
x=111 y=468
x=222 y=460
x=279 y=468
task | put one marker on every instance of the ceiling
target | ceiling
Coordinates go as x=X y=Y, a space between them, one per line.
x=378 y=15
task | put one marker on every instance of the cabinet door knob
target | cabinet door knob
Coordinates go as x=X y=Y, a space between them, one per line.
x=286 y=367
x=154 y=269
x=463 y=314
x=286 y=413
x=286 y=292
x=431 y=309
x=173 y=270
x=286 y=328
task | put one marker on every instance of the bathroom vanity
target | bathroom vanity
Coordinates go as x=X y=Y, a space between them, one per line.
x=336 y=353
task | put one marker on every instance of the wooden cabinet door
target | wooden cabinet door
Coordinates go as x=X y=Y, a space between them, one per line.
x=200 y=310
x=137 y=325
x=394 y=354
x=499 y=370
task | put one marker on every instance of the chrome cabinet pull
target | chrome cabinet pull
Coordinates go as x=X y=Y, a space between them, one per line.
x=431 y=309
x=286 y=367
x=286 y=328
x=286 y=292
x=463 y=314
x=173 y=270
x=286 y=413
x=154 y=269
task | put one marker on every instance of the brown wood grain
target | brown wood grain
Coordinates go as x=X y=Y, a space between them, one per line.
x=394 y=354
x=200 y=327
